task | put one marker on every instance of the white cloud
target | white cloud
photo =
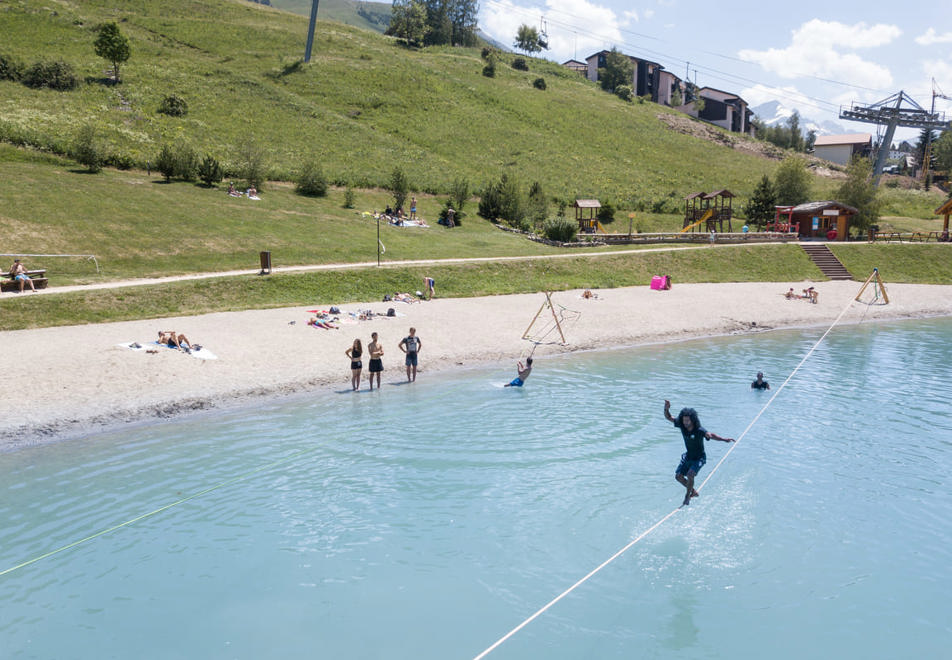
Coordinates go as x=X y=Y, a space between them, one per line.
x=930 y=37
x=821 y=48
x=597 y=26
x=787 y=95
x=631 y=16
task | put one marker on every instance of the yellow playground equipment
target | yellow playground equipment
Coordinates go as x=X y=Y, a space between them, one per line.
x=708 y=209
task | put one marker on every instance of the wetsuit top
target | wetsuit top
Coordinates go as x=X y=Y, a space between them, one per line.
x=693 y=441
x=762 y=385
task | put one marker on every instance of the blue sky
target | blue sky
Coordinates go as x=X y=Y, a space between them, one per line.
x=814 y=56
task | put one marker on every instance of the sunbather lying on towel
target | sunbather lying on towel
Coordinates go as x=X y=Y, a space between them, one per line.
x=174 y=340
x=318 y=322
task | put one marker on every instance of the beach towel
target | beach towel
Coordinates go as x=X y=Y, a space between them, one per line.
x=199 y=351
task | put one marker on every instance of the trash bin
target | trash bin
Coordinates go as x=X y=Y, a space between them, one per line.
x=265 y=263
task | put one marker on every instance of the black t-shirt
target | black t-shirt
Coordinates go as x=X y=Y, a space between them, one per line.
x=693 y=441
x=762 y=385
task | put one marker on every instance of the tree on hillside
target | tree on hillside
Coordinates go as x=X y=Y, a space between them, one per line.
x=408 y=21
x=464 y=14
x=527 y=40
x=942 y=149
x=440 y=24
x=399 y=186
x=859 y=191
x=792 y=181
x=927 y=137
x=796 y=138
x=760 y=208
x=618 y=70
x=113 y=46
x=87 y=150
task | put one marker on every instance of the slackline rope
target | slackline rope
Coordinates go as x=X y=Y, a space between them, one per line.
x=157 y=511
x=671 y=514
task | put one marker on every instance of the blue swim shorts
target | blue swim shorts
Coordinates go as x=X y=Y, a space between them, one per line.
x=411 y=359
x=686 y=465
x=516 y=382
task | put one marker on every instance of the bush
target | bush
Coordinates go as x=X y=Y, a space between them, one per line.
x=486 y=52
x=10 y=69
x=349 y=198
x=560 y=229
x=458 y=215
x=173 y=106
x=210 y=171
x=251 y=163
x=624 y=92
x=311 y=182
x=86 y=149
x=490 y=69
x=56 y=75
x=520 y=64
x=539 y=83
x=502 y=200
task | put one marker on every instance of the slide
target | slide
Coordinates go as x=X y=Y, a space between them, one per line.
x=704 y=218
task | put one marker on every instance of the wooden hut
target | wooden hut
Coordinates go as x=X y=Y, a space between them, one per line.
x=828 y=220
x=586 y=214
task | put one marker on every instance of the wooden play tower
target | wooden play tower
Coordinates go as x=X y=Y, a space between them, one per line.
x=708 y=211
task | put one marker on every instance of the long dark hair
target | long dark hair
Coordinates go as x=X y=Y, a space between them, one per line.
x=692 y=413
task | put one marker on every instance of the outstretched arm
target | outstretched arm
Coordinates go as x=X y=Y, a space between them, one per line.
x=714 y=436
x=667 y=411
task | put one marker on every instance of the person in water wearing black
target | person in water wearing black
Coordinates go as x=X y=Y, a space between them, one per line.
x=694 y=458
x=760 y=383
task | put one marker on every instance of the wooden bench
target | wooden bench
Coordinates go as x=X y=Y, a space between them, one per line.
x=38 y=277
x=888 y=236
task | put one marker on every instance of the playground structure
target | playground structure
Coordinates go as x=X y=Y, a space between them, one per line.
x=708 y=209
x=586 y=215
x=879 y=289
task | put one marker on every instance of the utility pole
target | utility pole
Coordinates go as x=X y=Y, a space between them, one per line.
x=310 y=32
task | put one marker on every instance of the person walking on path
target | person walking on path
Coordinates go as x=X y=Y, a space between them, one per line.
x=376 y=363
x=694 y=458
x=354 y=353
x=411 y=345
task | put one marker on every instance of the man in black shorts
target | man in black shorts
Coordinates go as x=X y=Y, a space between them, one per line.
x=411 y=345
x=694 y=436
x=376 y=364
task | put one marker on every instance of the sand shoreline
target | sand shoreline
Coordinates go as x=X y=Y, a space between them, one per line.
x=77 y=381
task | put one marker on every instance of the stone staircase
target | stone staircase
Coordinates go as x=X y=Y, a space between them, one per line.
x=826 y=261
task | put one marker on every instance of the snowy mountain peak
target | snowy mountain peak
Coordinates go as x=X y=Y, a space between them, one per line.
x=774 y=113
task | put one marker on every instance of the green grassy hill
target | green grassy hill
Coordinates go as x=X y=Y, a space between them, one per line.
x=363 y=106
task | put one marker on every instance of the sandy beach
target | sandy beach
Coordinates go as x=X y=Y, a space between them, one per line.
x=78 y=380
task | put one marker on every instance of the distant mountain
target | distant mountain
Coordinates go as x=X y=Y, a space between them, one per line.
x=773 y=113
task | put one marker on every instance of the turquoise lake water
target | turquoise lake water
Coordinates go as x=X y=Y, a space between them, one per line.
x=427 y=520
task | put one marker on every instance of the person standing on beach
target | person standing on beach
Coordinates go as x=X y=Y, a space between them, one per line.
x=411 y=345
x=413 y=208
x=430 y=285
x=376 y=363
x=760 y=383
x=356 y=366
x=694 y=458
x=523 y=374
